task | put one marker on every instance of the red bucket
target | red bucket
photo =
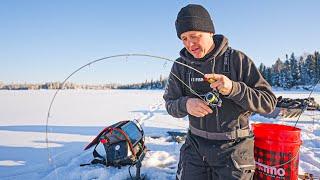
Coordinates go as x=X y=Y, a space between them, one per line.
x=276 y=151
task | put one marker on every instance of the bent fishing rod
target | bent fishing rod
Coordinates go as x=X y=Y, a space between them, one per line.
x=207 y=100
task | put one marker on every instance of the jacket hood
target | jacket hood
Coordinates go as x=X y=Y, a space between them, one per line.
x=221 y=45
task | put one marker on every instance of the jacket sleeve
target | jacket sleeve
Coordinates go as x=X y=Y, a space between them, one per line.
x=173 y=96
x=252 y=92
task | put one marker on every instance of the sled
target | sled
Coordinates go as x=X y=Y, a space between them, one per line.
x=284 y=113
x=292 y=108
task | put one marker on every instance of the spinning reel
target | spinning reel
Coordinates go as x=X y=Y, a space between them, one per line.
x=213 y=99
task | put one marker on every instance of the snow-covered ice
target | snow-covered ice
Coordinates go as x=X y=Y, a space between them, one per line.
x=78 y=115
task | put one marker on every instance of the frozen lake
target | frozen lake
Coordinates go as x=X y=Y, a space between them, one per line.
x=78 y=115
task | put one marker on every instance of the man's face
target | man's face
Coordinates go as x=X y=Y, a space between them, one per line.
x=197 y=43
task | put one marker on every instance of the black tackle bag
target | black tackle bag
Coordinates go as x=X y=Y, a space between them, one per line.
x=123 y=143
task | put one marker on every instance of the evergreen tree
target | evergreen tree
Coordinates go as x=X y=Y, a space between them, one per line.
x=310 y=69
x=276 y=69
x=282 y=79
x=262 y=69
x=268 y=75
x=295 y=73
x=303 y=71
x=317 y=65
x=287 y=79
x=275 y=79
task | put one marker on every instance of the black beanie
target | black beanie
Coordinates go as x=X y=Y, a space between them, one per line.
x=193 y=17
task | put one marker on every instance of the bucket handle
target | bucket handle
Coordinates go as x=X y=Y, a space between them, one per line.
x=282 y=164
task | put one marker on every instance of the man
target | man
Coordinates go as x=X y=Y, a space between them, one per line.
x=219 y=143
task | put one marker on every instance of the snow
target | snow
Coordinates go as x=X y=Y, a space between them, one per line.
x=77 y=116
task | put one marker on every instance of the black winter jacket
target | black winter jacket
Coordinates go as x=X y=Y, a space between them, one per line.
x=250 y=91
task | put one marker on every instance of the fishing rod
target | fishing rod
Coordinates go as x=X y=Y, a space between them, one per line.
x=305 y=106
x=209 y=98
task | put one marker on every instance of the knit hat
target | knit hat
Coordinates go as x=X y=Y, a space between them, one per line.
x=193 y=17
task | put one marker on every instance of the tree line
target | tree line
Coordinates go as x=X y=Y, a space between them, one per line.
x=293 y=71
x=148 y=84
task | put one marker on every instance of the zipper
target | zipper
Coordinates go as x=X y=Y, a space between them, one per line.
x=218 y=120
x=190 y=83
x=218 y=124
x=213 y=64
x=202 y=123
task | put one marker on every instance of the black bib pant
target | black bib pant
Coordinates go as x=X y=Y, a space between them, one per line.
x=203 y=159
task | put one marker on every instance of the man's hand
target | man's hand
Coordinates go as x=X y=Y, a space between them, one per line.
x=197 y=107
x=222 y=83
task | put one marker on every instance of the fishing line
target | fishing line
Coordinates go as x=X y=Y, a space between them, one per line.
x=192 y=91
x=102 y=59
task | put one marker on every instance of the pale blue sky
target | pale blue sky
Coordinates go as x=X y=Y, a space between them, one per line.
x=43 y=41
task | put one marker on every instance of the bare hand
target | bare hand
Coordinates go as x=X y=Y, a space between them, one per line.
x=222 y=83
x=197 y=107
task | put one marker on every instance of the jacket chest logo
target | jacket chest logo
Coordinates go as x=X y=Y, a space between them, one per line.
x=196 y=79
